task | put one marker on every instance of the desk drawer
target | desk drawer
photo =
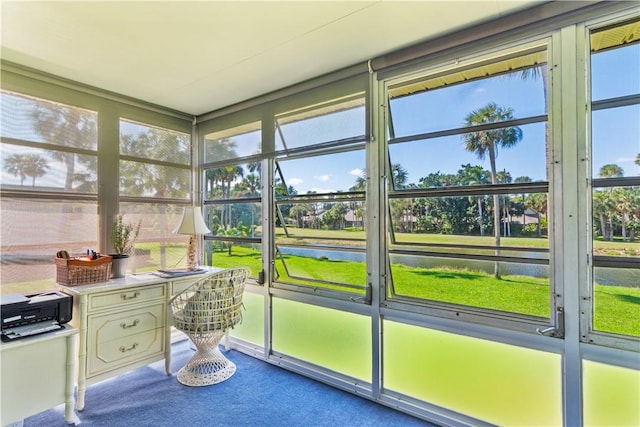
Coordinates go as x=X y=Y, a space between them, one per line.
x=122 y=351
x=112 y=326
x=125 y=296
x=124 y=337
x=180 y=285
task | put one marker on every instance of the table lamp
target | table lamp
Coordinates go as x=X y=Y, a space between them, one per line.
x=192 y=224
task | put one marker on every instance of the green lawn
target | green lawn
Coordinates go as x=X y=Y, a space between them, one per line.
x=518 y=294
x=617 y=307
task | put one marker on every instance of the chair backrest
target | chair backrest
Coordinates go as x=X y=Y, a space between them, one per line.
x=211 y=304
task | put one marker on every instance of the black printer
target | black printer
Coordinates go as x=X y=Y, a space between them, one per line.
x=32 y=314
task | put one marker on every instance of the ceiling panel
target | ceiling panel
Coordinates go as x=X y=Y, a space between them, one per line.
x=199 y=56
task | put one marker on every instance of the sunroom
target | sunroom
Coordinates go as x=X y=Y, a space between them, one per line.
x=449 y=226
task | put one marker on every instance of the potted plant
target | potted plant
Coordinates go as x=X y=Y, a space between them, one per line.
x=123 y=236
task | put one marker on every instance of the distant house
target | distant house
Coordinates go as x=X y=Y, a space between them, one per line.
x=530 y=217
x=353 y=220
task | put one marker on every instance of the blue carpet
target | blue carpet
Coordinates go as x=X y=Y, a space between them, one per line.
x=259 y=394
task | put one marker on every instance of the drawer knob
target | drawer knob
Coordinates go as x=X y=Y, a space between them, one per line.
x=126 y=297
x=123 y=325
x=124 y=349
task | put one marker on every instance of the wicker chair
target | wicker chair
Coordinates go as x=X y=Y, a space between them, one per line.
x=205 y=311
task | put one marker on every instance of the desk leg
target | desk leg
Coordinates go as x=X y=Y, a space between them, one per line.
x=82 y=353
x=167 y=353
x=69 y=415
x=82 y=385
x=167 y=341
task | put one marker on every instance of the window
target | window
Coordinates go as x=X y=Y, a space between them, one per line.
x=49 y=178
x=233 y=143
x=468 y=188
x=48 y=146
x=154 y=162
x=319 y=182
x=155 y=184
x=233 y=198
x=615 y=173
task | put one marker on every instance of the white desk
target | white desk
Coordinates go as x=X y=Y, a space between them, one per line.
x=37 y=374
x=123 y=324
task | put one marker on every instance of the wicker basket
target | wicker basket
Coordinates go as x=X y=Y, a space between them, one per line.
x=81 y=271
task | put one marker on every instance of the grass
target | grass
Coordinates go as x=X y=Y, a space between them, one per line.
x=517 y=294
x=617 y=307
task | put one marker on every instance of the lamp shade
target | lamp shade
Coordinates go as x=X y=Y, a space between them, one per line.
x=192 y=222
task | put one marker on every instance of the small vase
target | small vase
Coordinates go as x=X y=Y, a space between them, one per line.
x=119 y=265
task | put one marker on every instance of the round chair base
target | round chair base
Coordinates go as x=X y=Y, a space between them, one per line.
x=207 y=366
x=191 y=377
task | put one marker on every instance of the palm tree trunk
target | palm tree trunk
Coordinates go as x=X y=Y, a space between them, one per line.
x=496 y=211
x=610 y=229
x=480 y=217
x=496 y=230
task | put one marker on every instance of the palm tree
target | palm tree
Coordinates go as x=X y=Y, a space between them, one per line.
x=611 y=170
x=25 y=165
x=538 y=203
x=399 y=176
x=250 y=186
x=623 y=201
x=229 y=175
x=542 y=72
x=16 y=165
x=522 y=179
x=66 y=126
x=504 y=177
x=487 y=142
x=600 y=209
x=634 y=220
x=475 y=175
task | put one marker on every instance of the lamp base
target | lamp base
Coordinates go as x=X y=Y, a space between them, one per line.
x=191 y=253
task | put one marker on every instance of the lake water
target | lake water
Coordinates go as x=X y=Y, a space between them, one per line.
x=629 y=277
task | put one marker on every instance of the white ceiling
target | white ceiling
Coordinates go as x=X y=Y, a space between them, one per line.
x=196 y=57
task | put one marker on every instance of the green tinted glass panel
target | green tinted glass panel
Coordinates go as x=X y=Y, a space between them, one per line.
x=333 y=339
x=611 y=395
x=498 y=383
x=252 y=327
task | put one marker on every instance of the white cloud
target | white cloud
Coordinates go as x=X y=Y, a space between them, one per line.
x=356 y=172
x=625 y=159
x=295 y=181
x=323 y=178
x=322 y=190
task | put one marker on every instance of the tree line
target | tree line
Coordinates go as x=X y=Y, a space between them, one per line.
x=616 y=211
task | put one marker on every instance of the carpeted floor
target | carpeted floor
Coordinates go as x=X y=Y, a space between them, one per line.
x=259 y=394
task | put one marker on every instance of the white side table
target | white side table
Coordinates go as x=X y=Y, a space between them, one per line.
x=38 y=374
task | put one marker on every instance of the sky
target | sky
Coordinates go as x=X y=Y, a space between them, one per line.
x=615 y=133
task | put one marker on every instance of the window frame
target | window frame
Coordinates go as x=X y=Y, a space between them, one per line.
x=224 y=125
x=554 y=324
x=588 y=333
x=338 y=146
